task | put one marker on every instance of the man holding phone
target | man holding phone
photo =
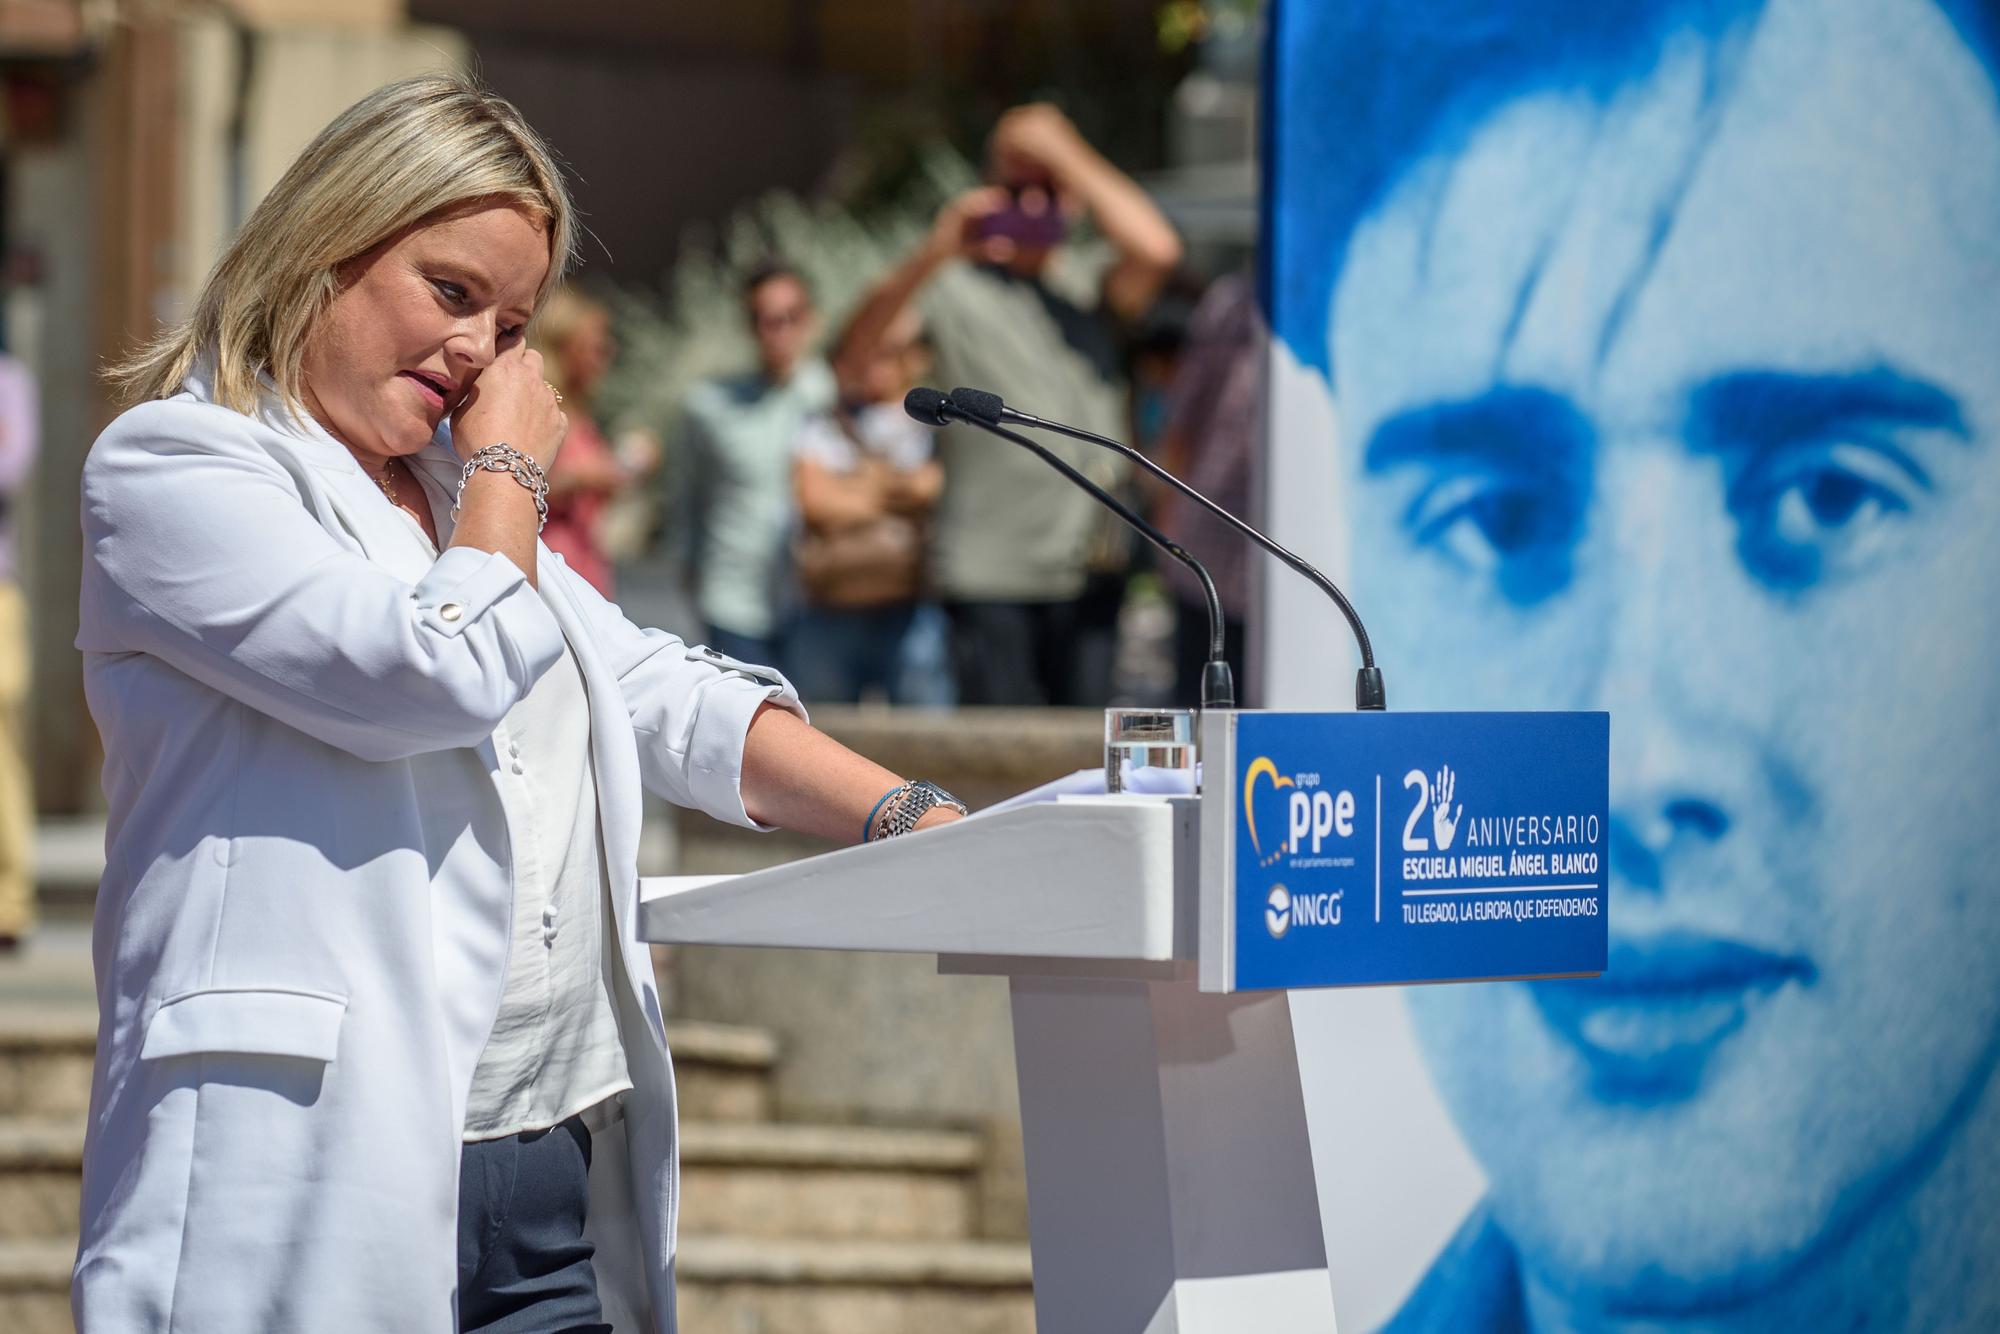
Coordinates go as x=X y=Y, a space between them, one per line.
x=1012 y=308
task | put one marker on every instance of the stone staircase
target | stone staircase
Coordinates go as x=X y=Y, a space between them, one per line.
x=786 y=1228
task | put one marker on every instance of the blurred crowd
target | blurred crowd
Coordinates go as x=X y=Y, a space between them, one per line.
x=819 y=529
x=824 y=531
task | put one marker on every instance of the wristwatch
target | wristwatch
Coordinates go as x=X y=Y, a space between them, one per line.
x=908 y=806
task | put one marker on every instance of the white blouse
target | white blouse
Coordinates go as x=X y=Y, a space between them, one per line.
x=555 y=1049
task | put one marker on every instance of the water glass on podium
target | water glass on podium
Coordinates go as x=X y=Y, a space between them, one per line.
x=1159 y=738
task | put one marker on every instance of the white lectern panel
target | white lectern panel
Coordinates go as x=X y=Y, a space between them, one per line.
x=1090 y=878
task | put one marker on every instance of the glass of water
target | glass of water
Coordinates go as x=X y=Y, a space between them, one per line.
x=1160 y=738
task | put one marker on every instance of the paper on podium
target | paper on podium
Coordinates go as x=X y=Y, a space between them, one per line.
x=1142 y=780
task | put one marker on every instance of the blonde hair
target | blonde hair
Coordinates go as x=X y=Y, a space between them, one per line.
x=405 y=153
x=562 y=315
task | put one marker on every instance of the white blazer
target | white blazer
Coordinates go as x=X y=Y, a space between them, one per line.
x=303 y=925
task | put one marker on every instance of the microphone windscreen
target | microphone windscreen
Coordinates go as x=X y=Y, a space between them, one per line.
x=978 y=403
x=926 y=405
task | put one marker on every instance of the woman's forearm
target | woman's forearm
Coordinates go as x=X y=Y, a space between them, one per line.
x=866 y=328
x=497 y=513
x=914 y=491
x=509 y=403
x=799 y=778
x=830 y=500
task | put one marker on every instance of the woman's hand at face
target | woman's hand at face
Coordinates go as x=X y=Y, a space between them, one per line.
x=510 y=402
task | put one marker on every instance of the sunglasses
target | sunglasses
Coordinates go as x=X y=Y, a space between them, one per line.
x=781 y=319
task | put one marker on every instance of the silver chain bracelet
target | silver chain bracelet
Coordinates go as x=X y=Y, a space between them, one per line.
x=907 y=804
x=503 y=457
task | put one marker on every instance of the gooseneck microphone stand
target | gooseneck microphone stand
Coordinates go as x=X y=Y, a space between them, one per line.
x=1218 y=684
x=989 y=410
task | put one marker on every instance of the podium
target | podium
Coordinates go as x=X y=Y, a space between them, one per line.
x=1148 y=942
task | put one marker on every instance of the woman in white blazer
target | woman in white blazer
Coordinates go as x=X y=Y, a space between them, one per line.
x=378 y=1047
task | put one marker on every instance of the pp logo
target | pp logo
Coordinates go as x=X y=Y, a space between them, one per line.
x=1278 y=912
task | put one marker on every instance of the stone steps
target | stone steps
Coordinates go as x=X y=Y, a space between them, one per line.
x=728 y=1285
x=34 y=1286
x=45 y=1056
x=757 y=1180
x=834 y=1182
x=746 y=1286
x=69 y=861
x=722 y=1072
x=786 y=1228
x=41 y=1164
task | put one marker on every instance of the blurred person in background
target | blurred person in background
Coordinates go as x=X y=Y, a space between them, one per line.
x=1214 y=421
x=738 y=436
x=20 y=439
x=867 y=480
x=1011 y=308
x=1154 y=355
x=573 y=334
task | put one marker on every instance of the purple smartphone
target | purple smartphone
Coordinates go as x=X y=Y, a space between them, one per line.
x=1034 y=221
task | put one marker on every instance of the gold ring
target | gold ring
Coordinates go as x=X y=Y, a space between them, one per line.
x=557 y=392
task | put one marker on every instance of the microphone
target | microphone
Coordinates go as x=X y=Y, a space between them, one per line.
x=1218 y=685
x=989 y=410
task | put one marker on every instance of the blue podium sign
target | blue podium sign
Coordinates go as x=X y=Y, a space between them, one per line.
x=1345 y=849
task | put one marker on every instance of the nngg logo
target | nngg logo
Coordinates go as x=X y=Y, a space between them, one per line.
x=1284 y=910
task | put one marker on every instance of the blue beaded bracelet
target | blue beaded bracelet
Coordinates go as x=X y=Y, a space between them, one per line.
x=868 y=825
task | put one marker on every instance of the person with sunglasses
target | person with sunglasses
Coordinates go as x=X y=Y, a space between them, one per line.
x=738 y=434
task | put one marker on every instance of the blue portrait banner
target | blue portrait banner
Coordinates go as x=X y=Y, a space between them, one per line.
x=1348 y=849
x=1637 y=357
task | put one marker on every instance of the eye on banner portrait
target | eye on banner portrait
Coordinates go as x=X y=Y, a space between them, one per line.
x=1645 y=357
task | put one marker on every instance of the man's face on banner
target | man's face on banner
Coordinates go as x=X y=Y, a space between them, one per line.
x=1683 y=404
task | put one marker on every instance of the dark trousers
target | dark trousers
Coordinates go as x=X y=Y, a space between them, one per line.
x=1034 y=653
x=837 y=655
x=523 y=1263
x=1094 y=659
